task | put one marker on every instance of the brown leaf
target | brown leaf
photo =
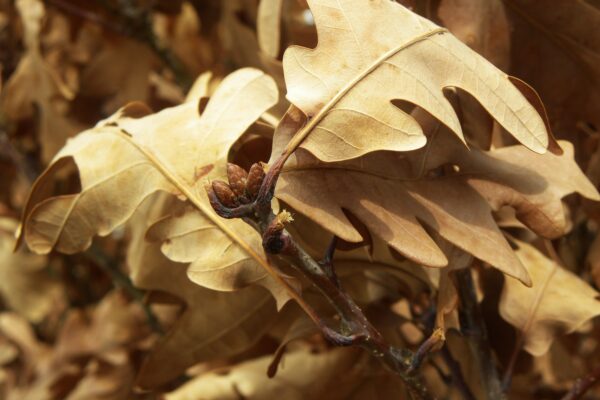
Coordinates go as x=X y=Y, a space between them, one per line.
x=268 y=26
x=90 y=358
x=124 y=160
x=483 y=26
x=557 y=50
x=559 y=301
x=214 y=325
x=303 y=376
x=593 y=260
x=112 y=74
x=394 y=194
x=182 y=35
x=25 y=284
x=370 y=53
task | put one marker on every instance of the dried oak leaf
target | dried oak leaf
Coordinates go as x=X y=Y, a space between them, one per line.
x=559 y=301
x=34 y=84
x=26 y=286
x=445 y=187
x=483 y=26
x=268 y=26
x=214 y=325
x=384 y=264
x=557 y=50
x=91 y=356
x=372 y=52
x=304 y=375
x=124 y=160
x=593 y=260
x=182 y=34
x=111 y=73
x=240 y=43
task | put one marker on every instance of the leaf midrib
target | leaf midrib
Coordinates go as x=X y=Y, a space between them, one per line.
x=239 y=322
x=216 y=220
x=307 y=129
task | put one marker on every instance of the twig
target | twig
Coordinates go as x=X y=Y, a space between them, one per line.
x=514 y=355
x=327 y=261
x=254 y=207
x=97 y=255
x=473 y=329
x=506 y=380
x=431 y=344
x=355 y=327
x=582 y=385
x=458 y=378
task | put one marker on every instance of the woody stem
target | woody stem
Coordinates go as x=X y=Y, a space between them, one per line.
x=355 y=328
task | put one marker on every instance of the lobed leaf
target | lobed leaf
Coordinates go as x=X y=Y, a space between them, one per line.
x=372 y=52
x=124 y=160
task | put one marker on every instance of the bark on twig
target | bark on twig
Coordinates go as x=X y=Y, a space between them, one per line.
x=119 y=279
x=354 y=329
x=474 y=330
x=582 y=385
x=458 y=378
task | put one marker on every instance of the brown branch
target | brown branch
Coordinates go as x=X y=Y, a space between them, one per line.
x=119 y=279
x=327 y=262
x=433 y=343
x=473 y=329
x=458 y=378
x=355 y=329
x=582 y=385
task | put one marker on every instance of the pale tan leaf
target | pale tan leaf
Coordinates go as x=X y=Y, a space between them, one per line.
x=268 y=26
x=214 y=324
x=201 y=87
x=36 y=84
x=558 y=303
x=370 y=264
x=302 y=376
x=370 y=53
x=447 y=297
x=566 y=34
x=190 y=237
x=25 y=284
x=394 y=195
x=481 y=25
x=124 y=160
x=112 y=74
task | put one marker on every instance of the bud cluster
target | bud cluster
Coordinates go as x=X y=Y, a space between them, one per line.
x=242 y=188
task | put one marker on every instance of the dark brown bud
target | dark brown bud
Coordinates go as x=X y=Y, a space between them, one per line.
x=225 y=194
x=255 y=180
x=237 y=177
x=275 y=240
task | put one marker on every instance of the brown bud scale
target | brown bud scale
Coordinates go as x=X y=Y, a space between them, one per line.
x=255 y=180
x=224 y=193
x=237 y=177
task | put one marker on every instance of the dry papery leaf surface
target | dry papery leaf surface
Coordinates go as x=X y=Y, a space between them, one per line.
x=441 y=158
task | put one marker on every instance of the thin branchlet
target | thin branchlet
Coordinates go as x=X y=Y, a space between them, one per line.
x=354 y=327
